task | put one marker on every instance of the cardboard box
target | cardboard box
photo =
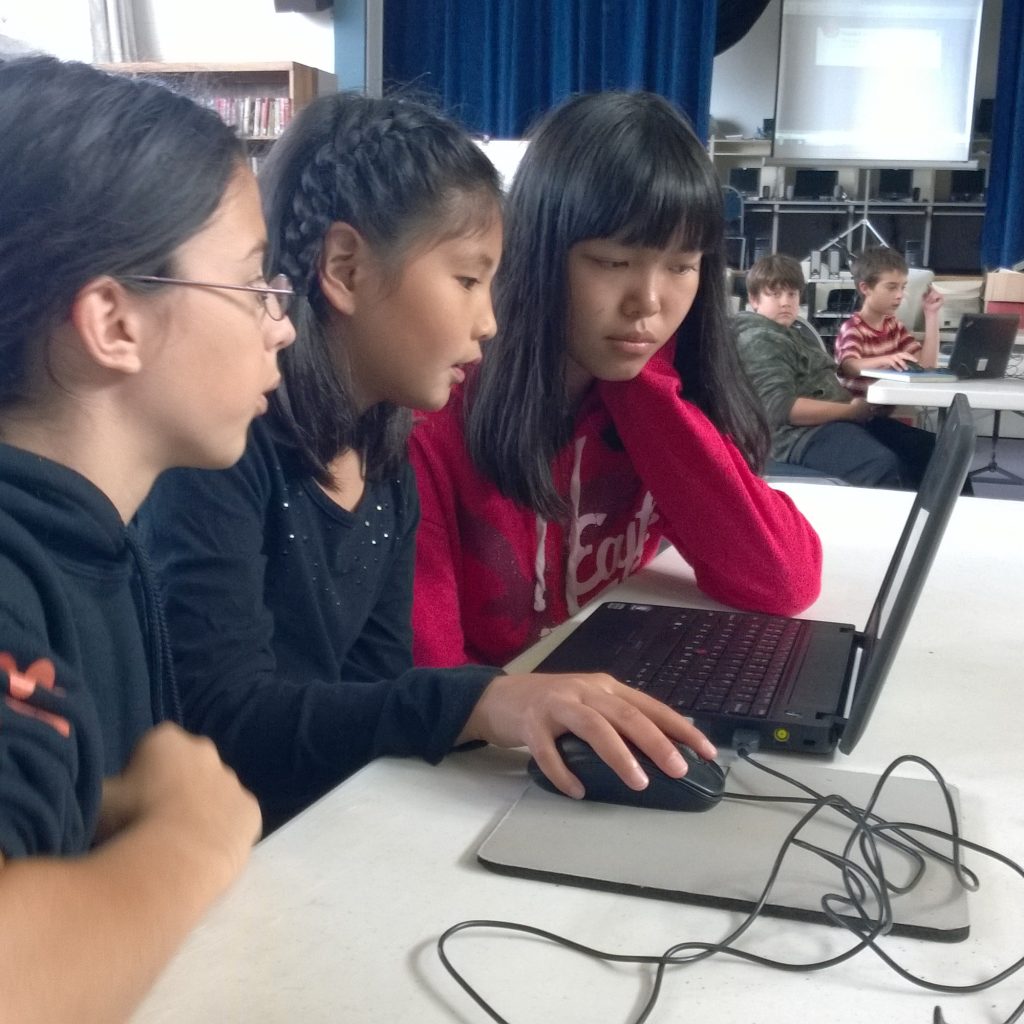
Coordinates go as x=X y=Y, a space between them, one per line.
x=1004 y=293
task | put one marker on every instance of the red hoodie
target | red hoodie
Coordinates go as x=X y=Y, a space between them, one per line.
x=492 y=576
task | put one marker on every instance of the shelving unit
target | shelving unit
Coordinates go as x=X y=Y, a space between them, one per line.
x=947 y=234
x=259 y=98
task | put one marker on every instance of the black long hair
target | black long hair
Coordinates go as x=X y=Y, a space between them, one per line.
x=397 y=171
x=99 y=174
x=622 y=165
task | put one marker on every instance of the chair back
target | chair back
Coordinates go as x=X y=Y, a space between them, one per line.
x=804 y=326
x=735 y=235
x=733 y=209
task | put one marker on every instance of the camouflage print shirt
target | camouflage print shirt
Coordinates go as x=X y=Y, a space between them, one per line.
x=784 y=364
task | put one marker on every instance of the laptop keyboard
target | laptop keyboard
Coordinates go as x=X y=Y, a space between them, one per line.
x=730 y=663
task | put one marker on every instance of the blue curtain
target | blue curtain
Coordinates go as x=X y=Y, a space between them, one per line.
x=1002 y=238
x=499 y=64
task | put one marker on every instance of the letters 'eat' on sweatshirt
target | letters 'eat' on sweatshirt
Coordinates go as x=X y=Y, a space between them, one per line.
x=643 y=464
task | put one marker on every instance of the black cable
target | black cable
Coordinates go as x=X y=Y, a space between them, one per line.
x=860 y=882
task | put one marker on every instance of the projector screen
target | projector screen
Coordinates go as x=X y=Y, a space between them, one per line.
x=881 y=80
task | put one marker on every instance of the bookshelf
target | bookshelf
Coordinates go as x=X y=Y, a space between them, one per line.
x=257 y=98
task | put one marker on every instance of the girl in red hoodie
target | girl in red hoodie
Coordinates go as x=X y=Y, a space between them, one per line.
x=610 y=411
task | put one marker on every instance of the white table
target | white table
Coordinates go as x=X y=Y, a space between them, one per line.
x=336 y=917
x=1004 y=394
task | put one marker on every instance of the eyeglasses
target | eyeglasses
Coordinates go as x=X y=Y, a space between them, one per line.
x=276 y=295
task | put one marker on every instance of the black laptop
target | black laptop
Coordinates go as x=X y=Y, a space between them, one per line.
x=795 y=684
x=981 y=351
x=984 y=342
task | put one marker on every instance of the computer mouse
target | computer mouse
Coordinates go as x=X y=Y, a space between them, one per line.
x=699 y=789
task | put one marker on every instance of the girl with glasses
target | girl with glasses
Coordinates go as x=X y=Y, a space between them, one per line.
x=117 y=828
x=289 y=576
x=610 y=412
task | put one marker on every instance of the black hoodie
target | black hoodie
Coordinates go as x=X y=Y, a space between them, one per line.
x=84 y=662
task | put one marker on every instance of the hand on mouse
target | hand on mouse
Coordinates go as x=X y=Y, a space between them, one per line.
x=533 y=710
x=898 y=360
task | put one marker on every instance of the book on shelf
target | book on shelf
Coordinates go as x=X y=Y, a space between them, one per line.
x=913 y=372
x=255 y=117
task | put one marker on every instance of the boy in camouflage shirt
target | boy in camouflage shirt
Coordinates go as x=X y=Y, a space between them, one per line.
x=815 y=421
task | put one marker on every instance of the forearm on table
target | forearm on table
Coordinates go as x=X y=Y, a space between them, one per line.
x=853 y=366
x=721 y=516
x=85 y=938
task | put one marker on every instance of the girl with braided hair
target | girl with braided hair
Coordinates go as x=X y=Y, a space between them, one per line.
x=611 y=412
x=288 y=578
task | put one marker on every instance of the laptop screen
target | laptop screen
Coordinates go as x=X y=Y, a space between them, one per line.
x=984 y=343
x=915 y=552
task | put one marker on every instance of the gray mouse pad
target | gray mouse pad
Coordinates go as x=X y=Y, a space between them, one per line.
x=723 y=857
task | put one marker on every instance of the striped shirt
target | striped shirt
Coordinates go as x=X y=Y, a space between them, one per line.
x=858 y=340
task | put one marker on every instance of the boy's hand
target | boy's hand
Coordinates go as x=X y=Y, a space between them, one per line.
x=932 y=302
x=859 y=411
x=897 y=360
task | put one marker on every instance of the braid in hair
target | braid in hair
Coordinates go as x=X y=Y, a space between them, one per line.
x=364 y=172
x=307 y=223
x=395 y=170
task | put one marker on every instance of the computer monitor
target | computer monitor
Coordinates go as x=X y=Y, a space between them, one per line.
x=895 y=183
x=967 y=186
x=814 y=184
x=745 y=179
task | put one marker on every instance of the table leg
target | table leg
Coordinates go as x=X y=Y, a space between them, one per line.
x=1002 y=476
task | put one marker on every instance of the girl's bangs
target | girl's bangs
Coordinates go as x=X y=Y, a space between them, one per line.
x=678 y=206
x=620 y=165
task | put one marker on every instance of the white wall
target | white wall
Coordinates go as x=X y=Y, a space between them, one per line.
x=232 y=30
x=180 y=30
x=60 y=27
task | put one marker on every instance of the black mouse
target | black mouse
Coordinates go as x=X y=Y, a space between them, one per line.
x=699 y=789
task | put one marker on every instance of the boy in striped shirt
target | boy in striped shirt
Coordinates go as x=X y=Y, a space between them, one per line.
x=873 y=338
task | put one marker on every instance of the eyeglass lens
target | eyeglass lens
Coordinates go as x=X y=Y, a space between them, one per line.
x=278 y=304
